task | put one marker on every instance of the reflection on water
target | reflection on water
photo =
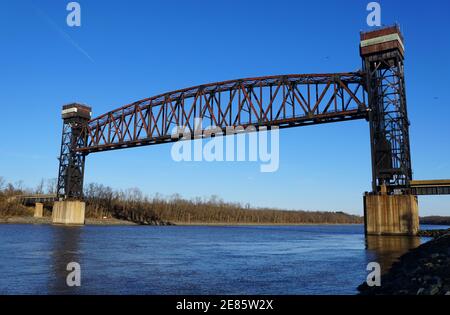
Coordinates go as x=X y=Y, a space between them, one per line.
x=65 y=249
x=387 y=249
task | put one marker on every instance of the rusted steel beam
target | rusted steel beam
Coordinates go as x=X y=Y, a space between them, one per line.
x=284 y=101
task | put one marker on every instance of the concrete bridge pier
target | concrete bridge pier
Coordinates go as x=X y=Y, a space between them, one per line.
x=38 y=210
x=69 y=212
x=391 y=214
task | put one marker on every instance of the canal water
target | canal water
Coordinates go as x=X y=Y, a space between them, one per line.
x=192 y=259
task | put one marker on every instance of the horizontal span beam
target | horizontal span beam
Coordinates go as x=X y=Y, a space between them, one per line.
x=426 y=183
x=283 y=101
x=430 y=187
x=32 y=199
x=431 y=190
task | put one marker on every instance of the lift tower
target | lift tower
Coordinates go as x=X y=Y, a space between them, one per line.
x=70 y=208
x=390 y=208
x=382 y=52
x=71 y=163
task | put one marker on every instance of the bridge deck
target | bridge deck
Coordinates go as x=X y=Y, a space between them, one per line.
x=430 y=187
x=33 y=199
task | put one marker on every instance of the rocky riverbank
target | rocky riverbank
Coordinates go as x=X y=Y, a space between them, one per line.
x=25 y=220
x=433 y=233
x=424 y=270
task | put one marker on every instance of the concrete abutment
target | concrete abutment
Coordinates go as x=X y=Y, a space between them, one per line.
x=68 y=212
x=38 y=210
x=391 y=214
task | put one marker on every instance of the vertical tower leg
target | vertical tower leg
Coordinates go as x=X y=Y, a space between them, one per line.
x=70 y=208
x=390 y=201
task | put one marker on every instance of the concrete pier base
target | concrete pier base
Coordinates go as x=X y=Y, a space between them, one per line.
x=68 y=212
x=38 y=210
x=391 y=214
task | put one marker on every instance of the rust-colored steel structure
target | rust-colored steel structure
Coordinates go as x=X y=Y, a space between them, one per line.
x=71 y=162
x=282 y=101
x=376 y=93
x=382 y=52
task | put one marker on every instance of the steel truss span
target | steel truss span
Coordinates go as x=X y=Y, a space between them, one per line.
x=283 y=101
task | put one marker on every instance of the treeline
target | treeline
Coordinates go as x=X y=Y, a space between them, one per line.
x=8 y=206
x=435 y=220
x=133 y=205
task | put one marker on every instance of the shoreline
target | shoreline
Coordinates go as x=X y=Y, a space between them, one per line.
x=48 y=221
x=257 y=224
x=114 y=221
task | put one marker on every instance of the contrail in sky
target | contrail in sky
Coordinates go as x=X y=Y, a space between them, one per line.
x=63 y=34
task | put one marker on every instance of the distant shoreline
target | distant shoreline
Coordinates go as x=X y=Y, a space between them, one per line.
x=113 y=221
x=255 y=224
x=48 y=220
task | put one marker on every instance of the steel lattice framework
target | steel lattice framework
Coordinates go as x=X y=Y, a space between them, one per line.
x=71 y=162
x=283 y=101
x=389 y=124
x=377 y=94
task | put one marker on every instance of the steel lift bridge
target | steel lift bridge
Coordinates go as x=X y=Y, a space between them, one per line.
x=376 y=94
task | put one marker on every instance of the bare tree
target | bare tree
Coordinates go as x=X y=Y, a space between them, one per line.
x=51 y=185
x=2 y=183
x=40 y=187
x=132 y=204
x=19 y=185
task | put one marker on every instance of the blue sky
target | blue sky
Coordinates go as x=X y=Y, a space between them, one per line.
x=128 y=50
